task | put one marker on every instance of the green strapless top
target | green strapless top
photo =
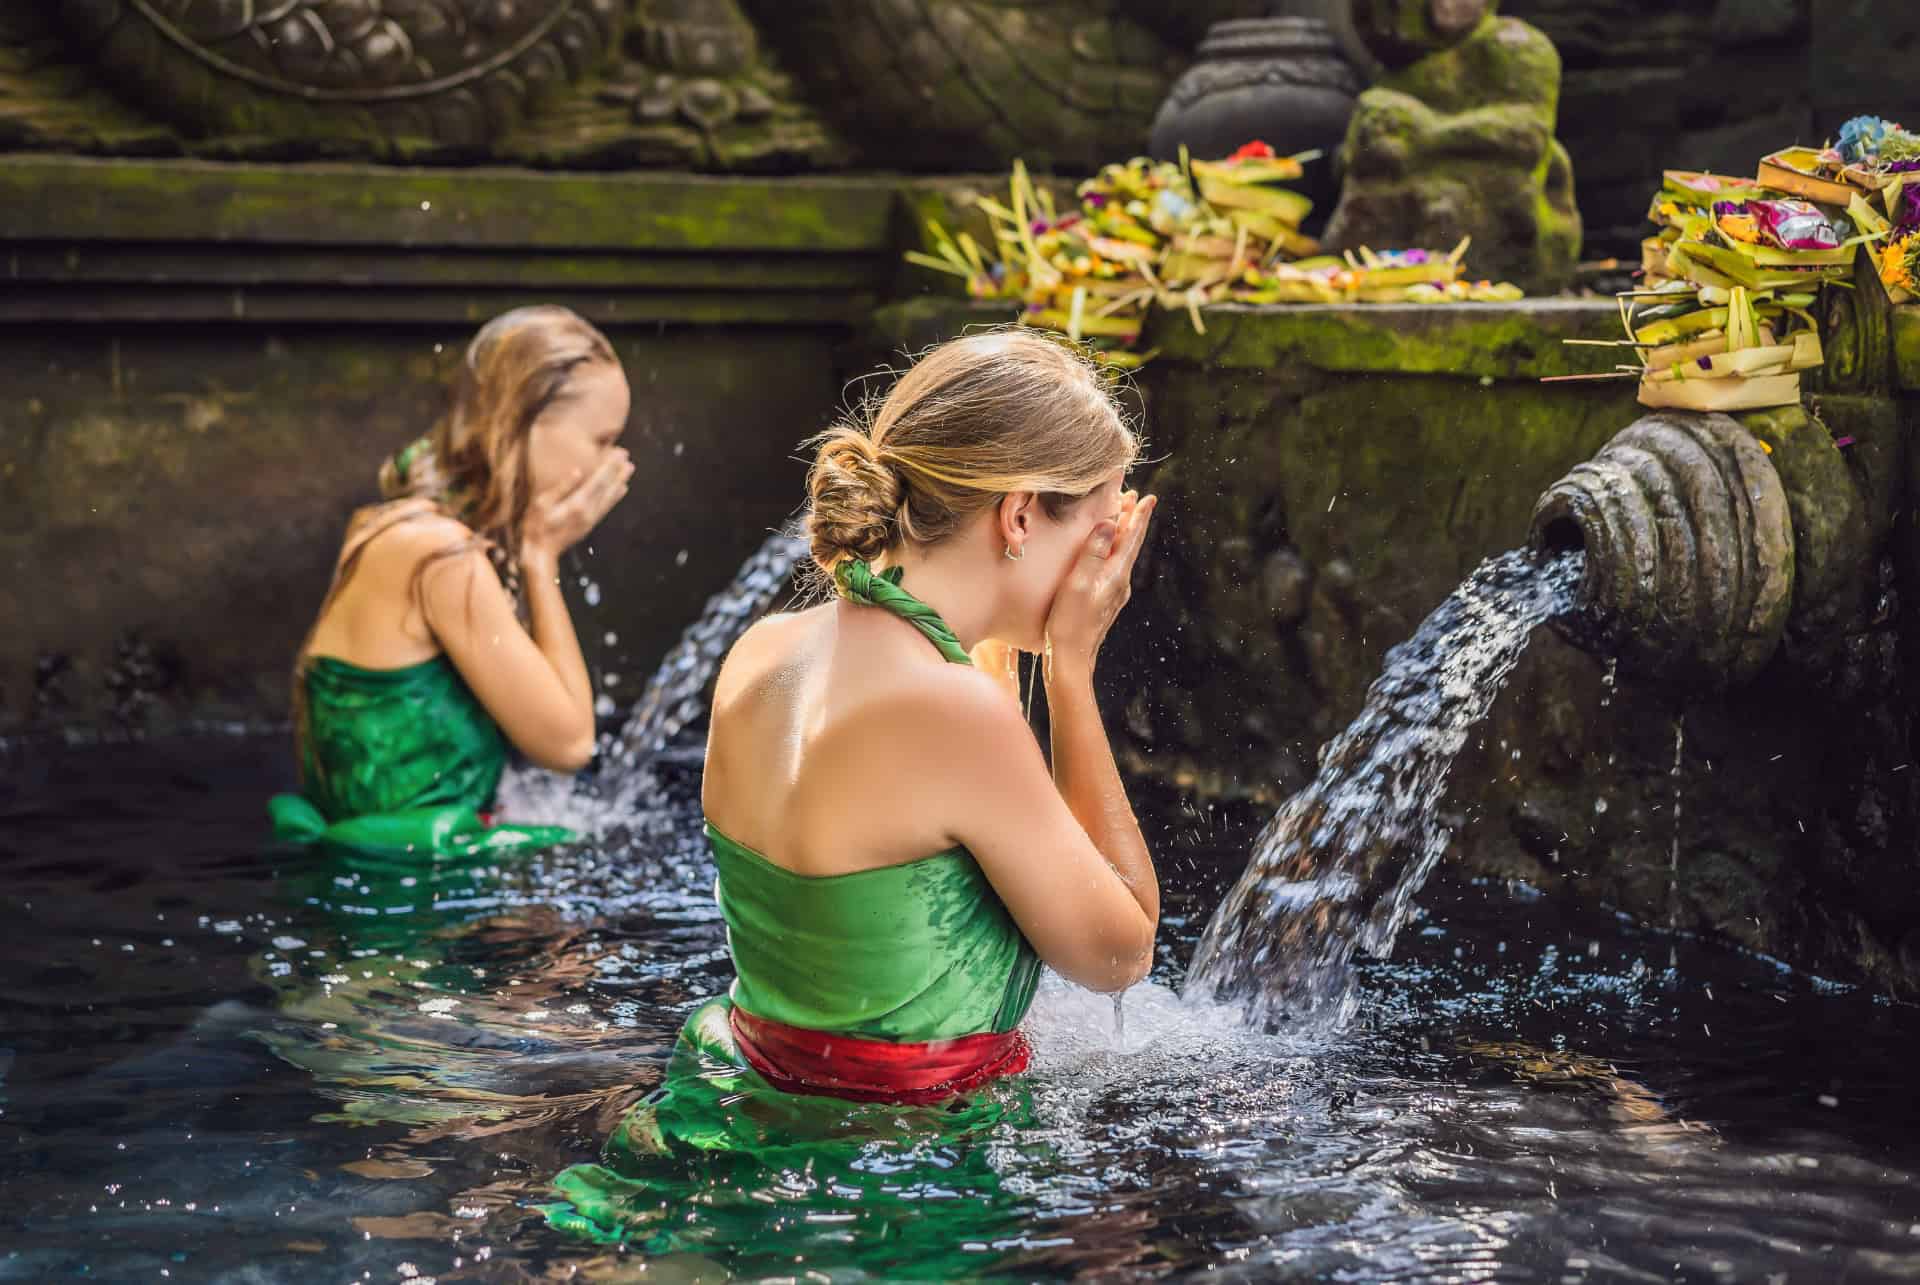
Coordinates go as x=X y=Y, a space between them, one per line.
x=392 y=740
x=401 y=760
x=909 y=953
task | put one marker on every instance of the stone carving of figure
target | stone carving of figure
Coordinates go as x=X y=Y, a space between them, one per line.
x=1457 y=139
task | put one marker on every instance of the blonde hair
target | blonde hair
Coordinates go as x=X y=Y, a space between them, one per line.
x=974 y=419
x=472 y=464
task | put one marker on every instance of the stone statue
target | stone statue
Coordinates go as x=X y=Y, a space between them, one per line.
x=1457 y=139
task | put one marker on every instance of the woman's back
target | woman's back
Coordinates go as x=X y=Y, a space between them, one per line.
x=849 y=907
x=821 y=741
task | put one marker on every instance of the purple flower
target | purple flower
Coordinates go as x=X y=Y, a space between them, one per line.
x=1038 y=226
x=1909 y=220
x=1416 y=256
x=1095 y=199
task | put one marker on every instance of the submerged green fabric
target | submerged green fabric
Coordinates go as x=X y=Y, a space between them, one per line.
x=717 y=1162
x=910 y=953
x=399 y=760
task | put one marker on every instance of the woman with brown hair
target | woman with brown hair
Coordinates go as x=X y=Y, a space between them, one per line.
x=418 y=670
x=895 y=858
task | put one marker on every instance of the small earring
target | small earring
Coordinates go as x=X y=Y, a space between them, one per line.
x=1012 y=556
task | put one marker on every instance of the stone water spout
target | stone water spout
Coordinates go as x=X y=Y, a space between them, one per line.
x=1711 y=543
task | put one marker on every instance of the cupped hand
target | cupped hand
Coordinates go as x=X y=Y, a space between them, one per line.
x=555 y=523
x=1099 y=584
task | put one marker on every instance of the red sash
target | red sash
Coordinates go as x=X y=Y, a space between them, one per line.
x=796 y=1060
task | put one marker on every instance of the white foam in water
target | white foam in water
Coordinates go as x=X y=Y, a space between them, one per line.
x=1072 y=1029
x=1336 y=869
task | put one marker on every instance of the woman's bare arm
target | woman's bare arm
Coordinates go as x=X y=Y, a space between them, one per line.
x=1089 y=782
x=1064 y=852
x=1067 y=894
x=534 y=687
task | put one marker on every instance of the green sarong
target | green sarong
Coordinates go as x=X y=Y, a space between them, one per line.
x=400 y=762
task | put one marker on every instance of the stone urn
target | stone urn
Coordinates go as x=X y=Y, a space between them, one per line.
x=1285 y=81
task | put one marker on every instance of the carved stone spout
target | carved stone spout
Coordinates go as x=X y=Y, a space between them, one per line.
x=1689 y=549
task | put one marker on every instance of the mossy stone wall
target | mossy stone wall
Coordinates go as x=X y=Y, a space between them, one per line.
x=171 y=499
x=204 y=365
x=1317 y=505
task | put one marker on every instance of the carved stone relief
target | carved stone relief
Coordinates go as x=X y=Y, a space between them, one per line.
x=449 y=71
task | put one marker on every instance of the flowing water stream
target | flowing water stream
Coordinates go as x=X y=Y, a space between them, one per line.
x=1337 y=868
x=675 y=696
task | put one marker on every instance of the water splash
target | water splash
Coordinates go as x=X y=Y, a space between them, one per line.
x=625 y=793
x=1673 y=852
x=673 y=696
x=1335 y=870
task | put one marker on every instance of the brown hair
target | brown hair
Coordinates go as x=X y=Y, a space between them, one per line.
x=472 y=464
x=1002 y=410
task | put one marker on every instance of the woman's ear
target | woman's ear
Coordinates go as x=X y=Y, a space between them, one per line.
x=1016 y=513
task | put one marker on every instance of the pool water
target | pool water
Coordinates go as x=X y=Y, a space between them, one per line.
x=222 y=1061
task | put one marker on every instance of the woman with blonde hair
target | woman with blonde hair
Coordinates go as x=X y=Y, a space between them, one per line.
x=419 y=670
x=895 y=857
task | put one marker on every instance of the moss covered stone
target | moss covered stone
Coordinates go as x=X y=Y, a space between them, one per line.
x=1469 y=341
x=68 y=198
x=1906 y=347
x=1461 y=143
x=1317 y=506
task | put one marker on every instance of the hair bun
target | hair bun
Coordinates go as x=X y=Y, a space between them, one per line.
x=855 y=497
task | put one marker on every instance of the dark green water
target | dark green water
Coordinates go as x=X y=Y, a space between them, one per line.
x=219 y=1062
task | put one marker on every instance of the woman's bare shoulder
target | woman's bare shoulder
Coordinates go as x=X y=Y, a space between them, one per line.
x=403 y=530
x=964 y=698
x=770 y=644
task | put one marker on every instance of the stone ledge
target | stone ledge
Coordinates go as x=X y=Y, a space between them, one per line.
x=188 y=304
x=1520 y=340
x=74 y=199
x=149 y=241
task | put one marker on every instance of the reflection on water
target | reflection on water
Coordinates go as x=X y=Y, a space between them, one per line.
x=231 y=1064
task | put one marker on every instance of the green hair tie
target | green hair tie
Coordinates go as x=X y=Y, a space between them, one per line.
x=859 y=582
x=403 y=459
